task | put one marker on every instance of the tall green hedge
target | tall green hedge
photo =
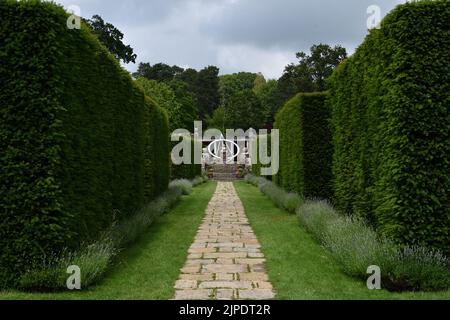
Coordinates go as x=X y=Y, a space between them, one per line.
x=257 y=166
x=305 y=146
x=186 y=171
x=157 y=153
x=391 y=118
x=74 y=135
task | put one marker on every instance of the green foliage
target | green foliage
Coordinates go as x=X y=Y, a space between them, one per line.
x=244 y=111
x=175 y=98
x=259 y=83
x=267 y=95
x=299 y=267
x=207 y=91
x=218 y=120
x=77 y=139
x=305 y=146
x=315 y=217
x=282 y=199
x=356 y=246
x=112 y=38
x=161 y=93
x=156 y=153
x=390 y=127
x=310 y=73
x=241 y=105
x=95 y=259
x=183 y=184
x=188 y=110
x=262 y=139
x=199 y=180
x=158 y=72
x=196 y=91
x=230 y=84
x=186 y=171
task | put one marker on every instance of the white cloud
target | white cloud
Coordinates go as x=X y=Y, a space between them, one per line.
x=252 y=59
x=236 y=35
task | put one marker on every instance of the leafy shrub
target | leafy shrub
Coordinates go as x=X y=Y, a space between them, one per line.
x=315 y=217
x=78 y=140
x=282 y=199
x=389 y=104
x=356 y=246
x=419 y=268
x=255 y=180
x=305 y=146
x=94 y=259
x=291 y=202
x=275 y=193
x=129 y=230
x=183 y=184
x=199 y=180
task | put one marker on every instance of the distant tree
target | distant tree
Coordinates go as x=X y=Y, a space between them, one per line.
x=112 y=38
x=231 y=84
x=259 y=83
x=158 y=72
x=218 y=120
x=188 y=76
x=267 y=95
x=321 y=63
x=243 y=111
x=165 y=97
x=188 y=112
x=201 y=86
x=311 y=71
x=207 y=91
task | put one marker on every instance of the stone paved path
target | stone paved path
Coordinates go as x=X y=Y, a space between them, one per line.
x=225 y=261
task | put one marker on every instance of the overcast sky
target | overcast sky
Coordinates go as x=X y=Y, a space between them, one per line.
x=235 y=35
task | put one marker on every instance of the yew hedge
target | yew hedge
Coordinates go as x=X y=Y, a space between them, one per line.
x=80 y=146
x=391 y=126
x=305 y=146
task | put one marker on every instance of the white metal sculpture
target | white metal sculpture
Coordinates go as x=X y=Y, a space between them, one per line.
x=219 y=147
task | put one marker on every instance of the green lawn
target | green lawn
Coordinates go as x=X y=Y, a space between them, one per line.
x=148 y=269
x=298 y=267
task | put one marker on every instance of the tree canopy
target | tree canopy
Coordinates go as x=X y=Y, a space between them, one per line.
x=112 y=38
x=310 y=73
x=244 y=111
x=243 y=99
x=230 y=84
x=175 y=98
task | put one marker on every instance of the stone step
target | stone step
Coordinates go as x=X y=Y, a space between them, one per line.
x=224 y=176
x=225 y=168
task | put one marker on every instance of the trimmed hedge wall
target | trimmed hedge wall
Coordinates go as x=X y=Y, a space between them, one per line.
x=256 y=164
x=305 y=146
x=74 y=132
x=391 y=118
x=157 y=153
x=186 y=171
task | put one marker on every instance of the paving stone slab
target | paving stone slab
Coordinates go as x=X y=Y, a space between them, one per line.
x=224 y=261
